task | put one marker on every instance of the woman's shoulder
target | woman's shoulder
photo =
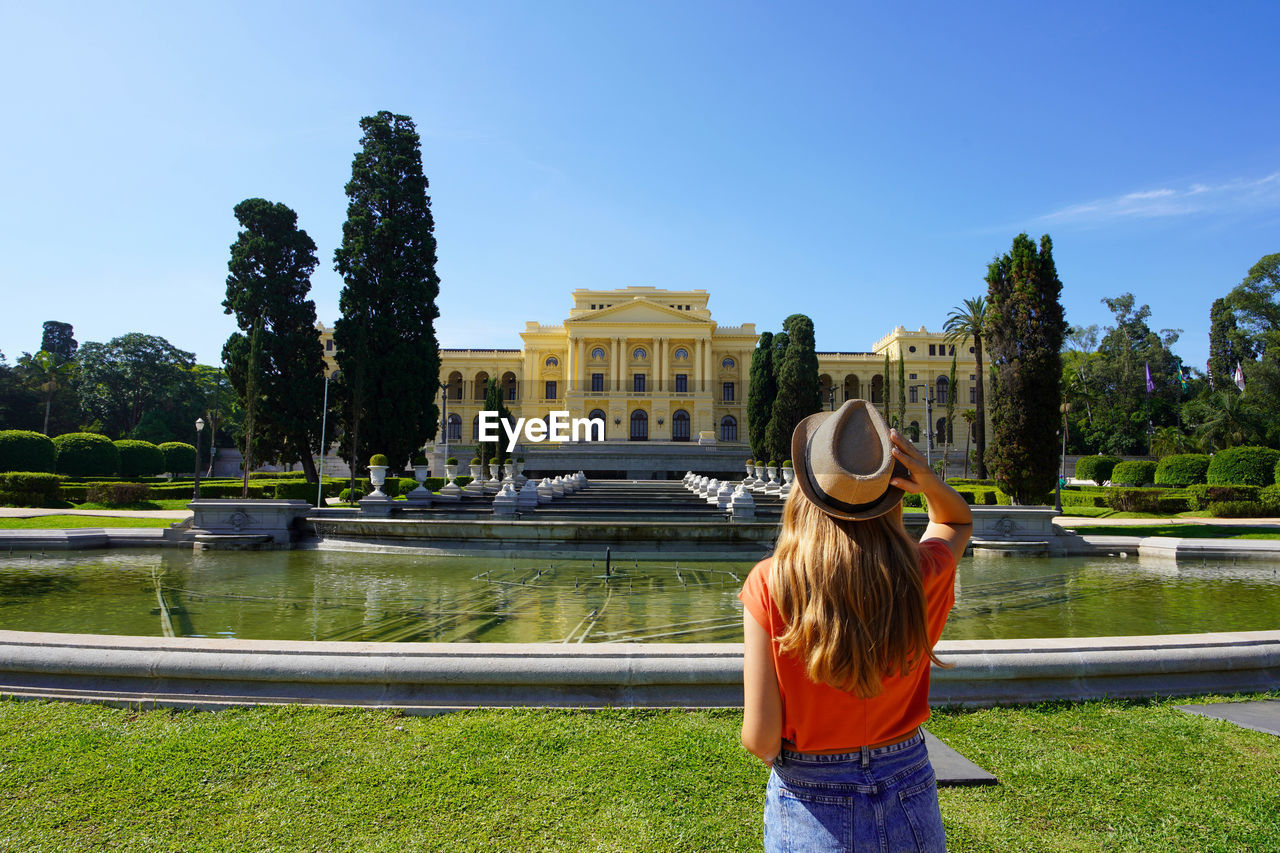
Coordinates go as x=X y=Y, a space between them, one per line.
x=936 y=557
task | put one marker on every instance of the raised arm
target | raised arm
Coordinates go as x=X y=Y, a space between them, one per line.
x=950 y=518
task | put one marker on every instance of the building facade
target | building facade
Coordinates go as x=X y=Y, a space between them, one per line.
x=655 y=366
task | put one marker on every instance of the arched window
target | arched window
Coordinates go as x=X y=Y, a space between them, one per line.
x=728 y=362
x=455 y=386
x=639 y=425
x=552 y=361
x=680 y=425
x=940 y=436
x=852 y=388
x=682 y=354
x=475 y=428
x=914 y=430
x=941 y=398
x=454 y=432
x=510 y=386
x=728 y=428
x=639 y=354
x=877 y=388
x=598 y=413
x=597 y=353
x=481 y=385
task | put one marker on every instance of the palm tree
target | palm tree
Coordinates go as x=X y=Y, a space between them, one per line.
x=47 y=373
x=965 y=322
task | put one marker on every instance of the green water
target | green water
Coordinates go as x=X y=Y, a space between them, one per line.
x=315 y=595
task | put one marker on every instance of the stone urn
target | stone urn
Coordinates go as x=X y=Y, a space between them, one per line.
x=450 y=472
x=421 y=473
x=477 y=472
x=750 y=469
x=378 y=477
x=788 y=474
x=760 y=480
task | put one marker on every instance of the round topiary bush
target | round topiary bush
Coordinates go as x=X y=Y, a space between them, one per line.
x=1278 y=473
x=24 y=450
x=1136 y=473
x=1097 y=468
x=1243 y=466
x=179 y=457
x=1182 y=469
x=86 y=454
x=139 y=458
x=379 y=459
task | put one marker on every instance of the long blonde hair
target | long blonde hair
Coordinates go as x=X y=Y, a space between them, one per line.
x=851 y=595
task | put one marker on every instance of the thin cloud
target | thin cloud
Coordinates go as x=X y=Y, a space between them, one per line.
x=1234 y=195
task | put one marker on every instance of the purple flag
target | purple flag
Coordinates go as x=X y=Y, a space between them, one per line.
x=1150 y=385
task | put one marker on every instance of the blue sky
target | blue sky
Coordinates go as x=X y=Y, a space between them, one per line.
x=860 y=163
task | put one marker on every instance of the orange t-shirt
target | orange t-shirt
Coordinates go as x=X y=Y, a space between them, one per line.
x=820 y=717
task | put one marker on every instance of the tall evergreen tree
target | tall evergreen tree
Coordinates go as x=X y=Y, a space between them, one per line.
x=58 y=338
x=902 y=394
x=951 y=409
x=885 y=385
x=1024 y=330
x=760 y=394
x=965 y=322
x=1228 y=345
x=386 y=337
x=799 y=393
x=275 y=362
x=493 y=402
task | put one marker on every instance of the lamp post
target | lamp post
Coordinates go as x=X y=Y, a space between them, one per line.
x=199 y=427
x=928 y=424
x=444 y=415
x=1065 y=408
x=831 y=392
x=324 y=424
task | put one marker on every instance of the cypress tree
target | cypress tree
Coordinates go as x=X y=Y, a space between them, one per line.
x=1024 y=333
x=386 y=339
x=885 y=385
x=1228 y=345
x=763 y=389
x=799 y=393
x=493 y=402
x=277 y=368
x=902 y=394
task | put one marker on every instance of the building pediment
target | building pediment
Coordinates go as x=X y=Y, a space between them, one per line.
x=638 y=311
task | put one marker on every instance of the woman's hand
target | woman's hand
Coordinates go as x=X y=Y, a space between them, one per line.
x=919 y=473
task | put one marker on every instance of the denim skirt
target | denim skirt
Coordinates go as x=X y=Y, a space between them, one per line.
x=883 y=799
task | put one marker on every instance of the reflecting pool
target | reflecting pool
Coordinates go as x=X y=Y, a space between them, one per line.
x=325 y=595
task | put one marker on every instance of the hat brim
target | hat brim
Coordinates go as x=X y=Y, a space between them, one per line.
x=800 y=439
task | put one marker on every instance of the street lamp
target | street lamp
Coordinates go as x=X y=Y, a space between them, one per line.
x=928 y=424
x=324 y=423
x=444 y=415
x=199 y=428
x=1065 y=408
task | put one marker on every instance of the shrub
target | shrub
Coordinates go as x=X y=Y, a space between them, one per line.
x=378 y=459
x=1097 y=468
x=27 y=451
x=350 y=496
x=461 y=481
x=1072 y=498
x=117 y=494
x=1243 y=466
x=1278 y=472
x=1182 y=469
x=179 y=457
x=1145 y=500
x=139 y=458
x=1201 y=497
x=278 y=475
x=912 y=500
x=1136 y=473
x=30 y=488
x=86 y=454
x=452 y=460
x=961 y=481
x=1238 y=509
x=1270 y=497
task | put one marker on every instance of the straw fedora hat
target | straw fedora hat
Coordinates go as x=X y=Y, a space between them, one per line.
x=843 y=464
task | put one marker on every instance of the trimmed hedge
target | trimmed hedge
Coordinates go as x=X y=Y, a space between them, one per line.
x=179 y=457
x=1146 y=500
x=1135 y=473
x=1239 y=509
x=25 y=451
x=1243 y=466
x=30 y=488
x=118 y=494
x=86 y=454
x=1096 y=468
x=348 y=496
x=1278 y=472
x=1201 y=497
x=139 y=458
x=1182 y=469
x=1074 y=498
x=961 y=481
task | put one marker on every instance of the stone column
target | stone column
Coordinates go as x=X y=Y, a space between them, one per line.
x=659 y=363
x=577 y=364
x=615 y=365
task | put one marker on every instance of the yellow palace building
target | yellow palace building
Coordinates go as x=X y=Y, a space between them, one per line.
x=656 y=367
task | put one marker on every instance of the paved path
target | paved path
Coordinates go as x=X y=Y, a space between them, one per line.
x=27 y=512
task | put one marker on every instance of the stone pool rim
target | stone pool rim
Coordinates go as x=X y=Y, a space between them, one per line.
x=204 y=673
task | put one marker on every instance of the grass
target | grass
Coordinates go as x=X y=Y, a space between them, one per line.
x=167 y=503
x=1182 y=531
x=1117 y=776
x=62 y=522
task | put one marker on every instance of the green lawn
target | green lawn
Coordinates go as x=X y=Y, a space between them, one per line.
x=61 y=522
x=1116 y=776
x=167 y=503
x=1182 y=531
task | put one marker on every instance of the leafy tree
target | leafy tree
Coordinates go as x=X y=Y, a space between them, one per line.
x=966 y=322
x=902 y=392
x=885 y=385
x=761 y=393
x=59 y=339
x=1255 y=303
x=798 y=388
x=123 y=379
x=1024 y=330
x=385 y=337
x=277 y=368
x=19 y=406
x=1228 y=346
